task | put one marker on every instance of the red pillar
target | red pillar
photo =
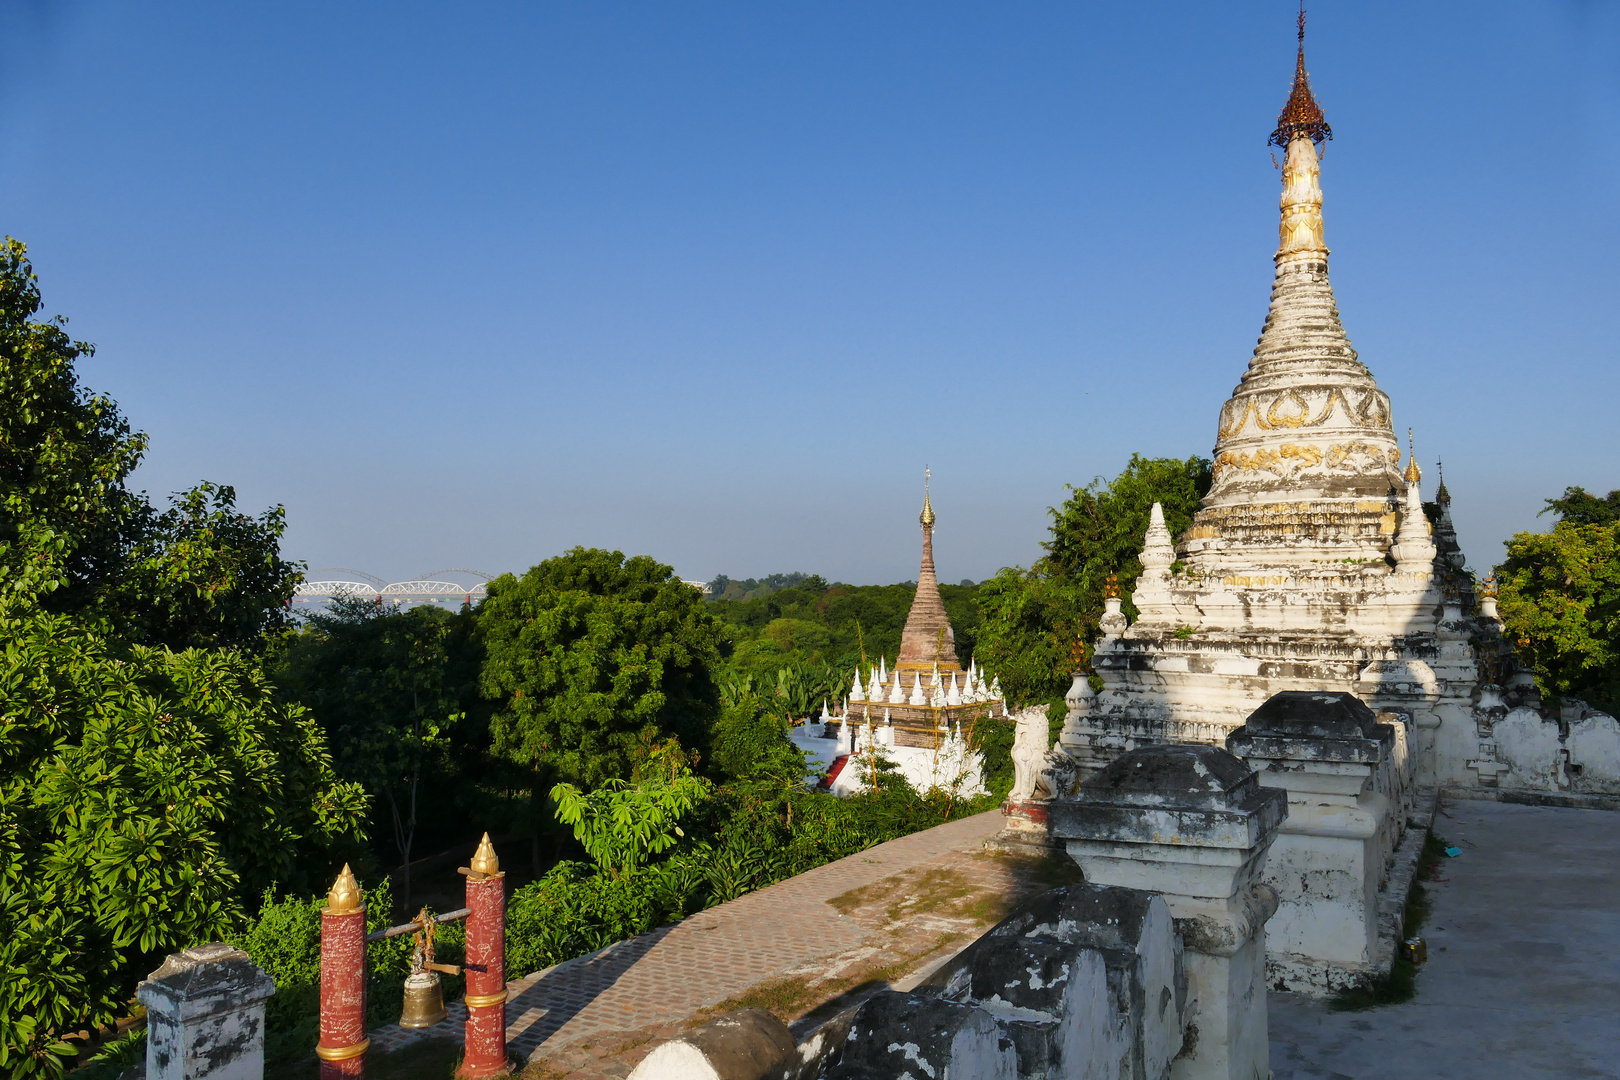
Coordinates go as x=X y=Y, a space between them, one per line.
x=486 y=967
x=343 y=1042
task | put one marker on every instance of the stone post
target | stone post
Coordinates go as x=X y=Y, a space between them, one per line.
x=1325 y=750
x=205 y=1015
x=343 y=1042
x=486 y=966
x=1193 y=824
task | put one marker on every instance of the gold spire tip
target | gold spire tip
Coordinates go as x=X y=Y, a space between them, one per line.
x=1301 y=115
x=345 y=894
x=927 y=515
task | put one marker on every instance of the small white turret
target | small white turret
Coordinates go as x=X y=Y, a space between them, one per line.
x=1158 y=552
x=1414 y=549
x=856 y=691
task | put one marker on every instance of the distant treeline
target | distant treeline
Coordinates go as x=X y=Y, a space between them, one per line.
x=725 y=588
x=812 y=622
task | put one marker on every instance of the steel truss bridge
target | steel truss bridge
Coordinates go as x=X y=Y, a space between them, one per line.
x=331 y=582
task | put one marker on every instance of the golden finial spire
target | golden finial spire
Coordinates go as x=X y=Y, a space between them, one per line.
x=1441 y=495
x=1413 y=473
x=345 y=894
x=1301 y=115
x=927 y=515
x=484 y=860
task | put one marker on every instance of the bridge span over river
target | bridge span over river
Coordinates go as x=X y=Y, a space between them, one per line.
x=450 y=587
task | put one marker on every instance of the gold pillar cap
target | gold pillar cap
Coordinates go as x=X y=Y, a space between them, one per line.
x=345 y=895
x=484 y=860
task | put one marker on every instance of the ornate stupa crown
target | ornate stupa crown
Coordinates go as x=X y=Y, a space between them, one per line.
x=1413 y=473
x=1305 y=451
x=927 y=515
x=1301 y=115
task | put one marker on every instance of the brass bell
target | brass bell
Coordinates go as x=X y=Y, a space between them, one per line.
x=424 y=1001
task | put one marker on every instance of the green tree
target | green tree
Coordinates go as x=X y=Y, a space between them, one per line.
x=750 y=742
x=201 y=574
x=143 y=792
x=588 y=651
x=390 y=688
x=196 y=574
x=1560 y=606
x=1578 y=507
x=144 y=795
x=1032 y=619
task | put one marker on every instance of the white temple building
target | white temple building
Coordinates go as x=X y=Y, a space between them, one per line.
x=921 y=713
x=1312 y=565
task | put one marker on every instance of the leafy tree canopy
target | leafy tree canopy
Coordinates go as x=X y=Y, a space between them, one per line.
x=813 y=624
x=392 y=689
x=198 y=573
x=1578 y=507
x=750 y=742
x=144 y=796
x=724 y=588
x=589 y=650
x=1560 y=606
x=144 y=792
x=1033 y=619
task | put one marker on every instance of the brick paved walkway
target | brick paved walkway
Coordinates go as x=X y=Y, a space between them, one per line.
x=799 y=948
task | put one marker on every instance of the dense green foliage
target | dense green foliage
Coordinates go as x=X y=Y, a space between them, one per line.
x=622 y=825
x=590 y=655
x=1560 y=600
x=1577 y=507
x=801 y=644
x=750 y=742
x=397 y=695
x=724 y=588
x=1034 y=619
x=145 y=794
x=196 y=574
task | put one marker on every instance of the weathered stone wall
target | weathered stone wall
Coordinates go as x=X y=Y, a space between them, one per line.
x=1085 y=981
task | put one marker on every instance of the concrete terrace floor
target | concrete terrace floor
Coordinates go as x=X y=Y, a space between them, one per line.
x=801 y=947
x=1523 y=976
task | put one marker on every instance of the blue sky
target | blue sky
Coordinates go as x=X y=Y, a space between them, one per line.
x=467 y=285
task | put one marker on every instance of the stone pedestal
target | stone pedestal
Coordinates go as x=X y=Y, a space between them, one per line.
x=1193 y=824
x=205 y=1015
x=1326 y=751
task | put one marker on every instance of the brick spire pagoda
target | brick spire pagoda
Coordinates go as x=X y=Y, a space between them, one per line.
x=927 y=694
x=927 y=639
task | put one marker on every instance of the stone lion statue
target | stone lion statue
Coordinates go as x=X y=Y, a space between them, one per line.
x=1030 y=744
